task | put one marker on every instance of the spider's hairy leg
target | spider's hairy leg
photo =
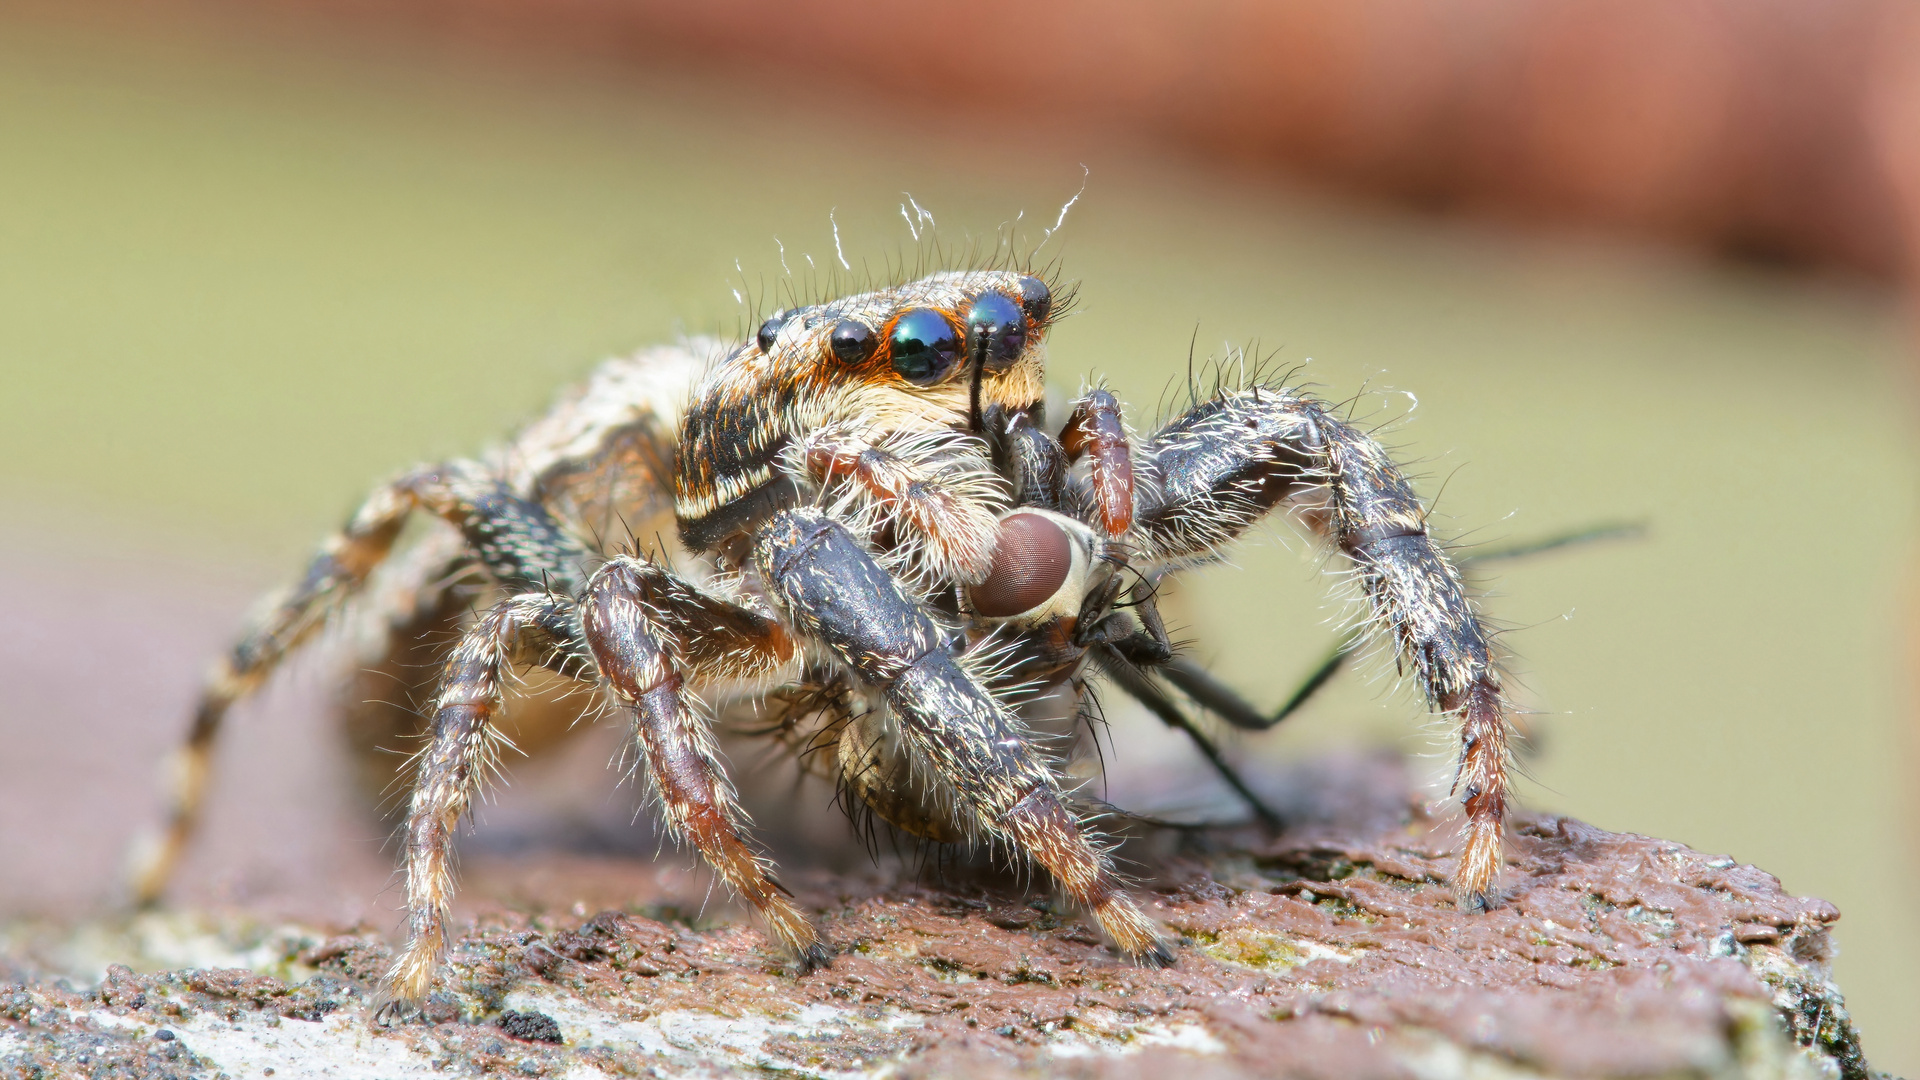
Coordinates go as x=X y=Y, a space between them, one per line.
x=1228 y=461
x=841 y=595
x=516 y=541
x=458 y=757
x=281 y=625
x=648 y=630
x=940 y=492
x=1097 y=427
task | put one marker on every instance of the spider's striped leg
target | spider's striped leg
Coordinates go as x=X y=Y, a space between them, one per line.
x=840 y=595
x=1228 y=461
x=461 y=751
x=515 y=540
x=282 y=624
x=648 y=630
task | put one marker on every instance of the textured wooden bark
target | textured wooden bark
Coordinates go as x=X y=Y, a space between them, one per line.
x=1331 y=950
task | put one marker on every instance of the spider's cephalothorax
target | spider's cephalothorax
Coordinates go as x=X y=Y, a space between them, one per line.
x=881 y=547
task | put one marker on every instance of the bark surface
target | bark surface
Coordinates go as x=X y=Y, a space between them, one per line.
x=1332 y=950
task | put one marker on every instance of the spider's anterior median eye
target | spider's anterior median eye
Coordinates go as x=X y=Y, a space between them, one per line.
x=996 y=331
x=1036 y=298
x=852 y=341
x=771 y=329
x=923 y=346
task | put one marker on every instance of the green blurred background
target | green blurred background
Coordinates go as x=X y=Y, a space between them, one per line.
x=237 y=285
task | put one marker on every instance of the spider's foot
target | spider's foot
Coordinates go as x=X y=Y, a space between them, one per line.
x=802 y=942
x=403 y=992
x=388 y=1012
x=1475 y=883
x=812 y=958
x=1158 y=956
x=1132 y=931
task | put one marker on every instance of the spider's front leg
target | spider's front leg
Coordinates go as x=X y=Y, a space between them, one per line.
x=839 y=594
x=462 y=750
x=1227 y=462
x=646 y=633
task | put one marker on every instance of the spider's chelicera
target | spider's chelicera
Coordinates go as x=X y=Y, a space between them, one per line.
x=876 y=532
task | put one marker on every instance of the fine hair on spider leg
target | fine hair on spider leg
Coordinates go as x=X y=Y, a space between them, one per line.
x=1231 y=458
x=834 y=489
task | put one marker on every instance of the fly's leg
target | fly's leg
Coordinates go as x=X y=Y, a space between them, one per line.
x=1225 y=702
x=648 y=630
x=1131 y=652
x=1030 y=459
x=840 y=595
x=1141 y=687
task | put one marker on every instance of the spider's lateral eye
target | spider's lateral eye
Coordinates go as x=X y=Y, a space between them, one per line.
x=923 y=346
x=771 y=329
x=1036 y=298
x=997 y=330
x=852 y=341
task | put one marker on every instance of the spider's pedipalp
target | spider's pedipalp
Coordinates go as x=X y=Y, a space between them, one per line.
x=1097 y=428
x=937 y=490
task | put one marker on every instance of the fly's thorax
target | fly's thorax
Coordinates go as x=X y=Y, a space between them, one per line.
x=931 y=355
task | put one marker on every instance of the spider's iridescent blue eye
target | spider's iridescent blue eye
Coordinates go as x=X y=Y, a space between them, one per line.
x=771 y=329
x=1036 y=298
x=996 y=331
x=852 y=341
x=923 y=346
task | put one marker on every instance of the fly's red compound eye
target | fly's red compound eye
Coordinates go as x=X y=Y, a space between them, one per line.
x=923 y=346
x=1030 y=562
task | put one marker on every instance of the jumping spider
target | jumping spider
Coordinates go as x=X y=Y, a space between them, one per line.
x=876 y=534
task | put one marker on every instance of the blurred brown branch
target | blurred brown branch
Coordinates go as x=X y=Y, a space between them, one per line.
x=1784 y=129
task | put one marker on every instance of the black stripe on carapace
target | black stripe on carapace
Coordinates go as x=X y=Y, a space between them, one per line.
x=742 y=515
